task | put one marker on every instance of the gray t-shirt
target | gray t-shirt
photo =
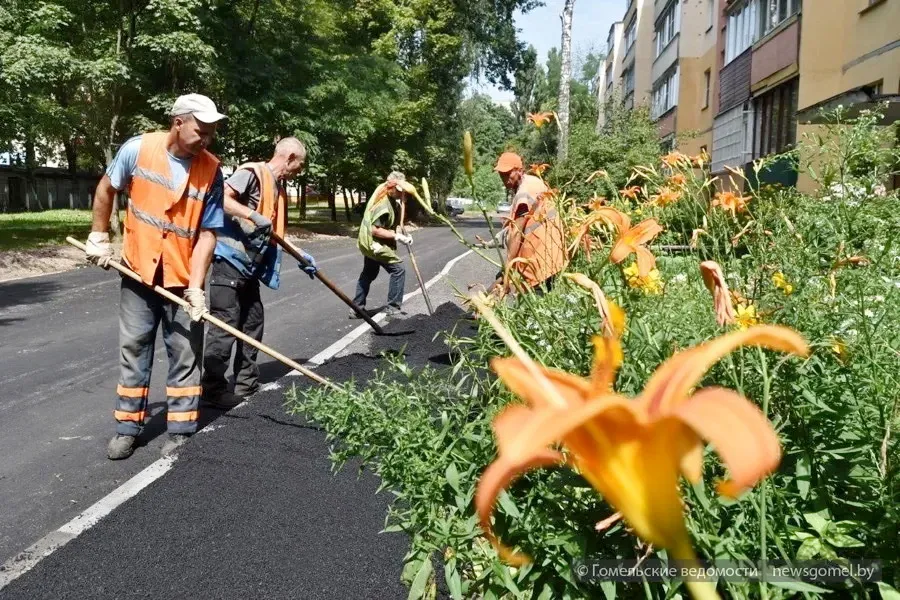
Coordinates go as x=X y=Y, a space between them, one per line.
x=245 y=183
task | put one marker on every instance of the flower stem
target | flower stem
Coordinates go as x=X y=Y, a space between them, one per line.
x=763 y=488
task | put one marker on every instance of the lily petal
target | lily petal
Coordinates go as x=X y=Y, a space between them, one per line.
x=496 y=478
x=645 y=261
x=673 y=380
x=738 y=431
x=517 y=377
x=644 y=232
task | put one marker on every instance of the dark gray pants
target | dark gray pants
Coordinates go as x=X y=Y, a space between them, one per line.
x=370 y=272
x=234 y=299
x=141 y=311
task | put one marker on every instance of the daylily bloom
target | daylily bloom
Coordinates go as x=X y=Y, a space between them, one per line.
x=673 y=158
x=731 y=202
x=596 y=203
x=678 y=179
x=632 y=240
x=746 y=316
x=595 y=174
x=666 y=196
x=782 y=284
x=650 y=284
x=540 y=119
x=631 y=192
x=632 y=451
x=700 y=160
x=714 y=280
x=538 y=169
x=604 y=214
x=839 y=347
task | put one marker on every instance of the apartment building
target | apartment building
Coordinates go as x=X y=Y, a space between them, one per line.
x=609 y=83
x=735 y=77
x=683 y=72
x=637 y=52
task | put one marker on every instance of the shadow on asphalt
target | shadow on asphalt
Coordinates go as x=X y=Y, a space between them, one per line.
x=28 y=292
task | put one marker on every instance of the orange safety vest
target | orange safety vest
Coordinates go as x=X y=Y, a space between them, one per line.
x=541 y=231
x=272 y=199
x=162 y=222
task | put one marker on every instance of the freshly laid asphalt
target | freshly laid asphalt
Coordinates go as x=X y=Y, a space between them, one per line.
x=260 y=492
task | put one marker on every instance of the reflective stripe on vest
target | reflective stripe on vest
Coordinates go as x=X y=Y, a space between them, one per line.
x=163 y=220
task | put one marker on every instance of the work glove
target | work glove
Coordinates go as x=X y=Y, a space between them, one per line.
x=403 y=239
x=312 y=269
x=197 y=300
x=98 y=249
x=263 y=225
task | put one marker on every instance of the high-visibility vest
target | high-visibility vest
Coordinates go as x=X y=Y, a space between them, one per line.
x=540 y=229
x=163 y=221
x=272 y=199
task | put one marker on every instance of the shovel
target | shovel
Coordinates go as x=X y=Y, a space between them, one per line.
x=412 y=259
x=214 y=321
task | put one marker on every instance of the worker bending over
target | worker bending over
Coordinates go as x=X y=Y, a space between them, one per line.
x=255 y=207
x=174 y=208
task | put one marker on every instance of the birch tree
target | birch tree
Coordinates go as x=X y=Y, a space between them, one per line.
x=564 y=80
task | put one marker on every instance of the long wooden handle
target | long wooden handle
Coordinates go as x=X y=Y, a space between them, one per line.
x=213 y=320
x=412 y=259
x=296 y=253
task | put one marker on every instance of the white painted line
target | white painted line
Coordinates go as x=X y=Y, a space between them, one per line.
x=27 y=559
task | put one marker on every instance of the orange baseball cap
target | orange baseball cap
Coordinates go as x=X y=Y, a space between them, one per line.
x=509 y=161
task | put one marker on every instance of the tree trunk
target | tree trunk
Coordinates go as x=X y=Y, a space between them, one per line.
x=565 y=81
x=303 y=199
x=32 y=202
x=331 y=202
x=601 y=87
x=346 y=204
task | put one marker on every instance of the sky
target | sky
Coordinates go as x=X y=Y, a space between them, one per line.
x=542 y=29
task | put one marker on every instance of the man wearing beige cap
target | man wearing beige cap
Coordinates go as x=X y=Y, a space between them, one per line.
x=534 y=232
x=175 y=206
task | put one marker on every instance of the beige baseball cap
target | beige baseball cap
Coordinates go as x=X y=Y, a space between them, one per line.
x=203 y=109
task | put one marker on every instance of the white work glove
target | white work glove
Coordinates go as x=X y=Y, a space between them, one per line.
x=403 y=239
x=98 y=249
x=197 y=299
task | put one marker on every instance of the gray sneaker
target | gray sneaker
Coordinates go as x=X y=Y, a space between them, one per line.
x=174 y=442
x=121 y=446
x=393 y=311
x=354 y=315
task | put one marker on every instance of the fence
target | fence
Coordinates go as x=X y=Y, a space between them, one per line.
x=48 y=188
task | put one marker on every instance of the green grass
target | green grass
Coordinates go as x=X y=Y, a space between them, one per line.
x=20 y=231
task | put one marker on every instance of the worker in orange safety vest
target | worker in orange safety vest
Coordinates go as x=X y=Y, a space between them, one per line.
x=175 y=206
x=534 y=232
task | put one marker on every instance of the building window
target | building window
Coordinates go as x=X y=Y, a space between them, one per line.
x=776 y=120
x=630 y=34
x=742 y=29
x=628 y=78
x=707 y=78
x=775 y=12
x=609 y=73
x=667 y=27
x=665 y=94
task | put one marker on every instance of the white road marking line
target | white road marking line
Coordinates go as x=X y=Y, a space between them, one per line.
x=45 y=546
x=28 y=558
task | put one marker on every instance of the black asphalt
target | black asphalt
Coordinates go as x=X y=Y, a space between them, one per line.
x=251 y=509
x=58 y=370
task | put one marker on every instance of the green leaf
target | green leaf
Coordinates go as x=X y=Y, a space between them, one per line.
x=839 y=535
x=887 y=592
x=609 y=589
x=454 y=582
x=819 y=520
x=799 y=586
x=802 y=472
x=420 y=584
x=452 y=475
x=509 y=506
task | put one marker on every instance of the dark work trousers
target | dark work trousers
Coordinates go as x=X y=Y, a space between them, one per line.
x=370 y=272
x=235 y=299
x=141 y=311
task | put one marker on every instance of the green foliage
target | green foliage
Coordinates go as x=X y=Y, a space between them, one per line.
x=30 y=230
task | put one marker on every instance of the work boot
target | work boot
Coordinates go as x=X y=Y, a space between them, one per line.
x=121 y=446
x=393 y=311
x=353 y=314
x=175 y=440
x=223 y=401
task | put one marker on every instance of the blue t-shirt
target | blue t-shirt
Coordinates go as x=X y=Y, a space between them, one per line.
x=123 y=165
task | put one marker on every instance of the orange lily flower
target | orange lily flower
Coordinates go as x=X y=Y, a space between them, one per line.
x=633 y=451
x=605 y=214
x=631 y=192
x=701 y=159
x=633 y=240
x=666 y=196
x=673 y=158
x=731 y=202
x=714 y=279
x=538 y=169
x=612 y=316
x=678 y=179
x=596 y=203
x=540 y=119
